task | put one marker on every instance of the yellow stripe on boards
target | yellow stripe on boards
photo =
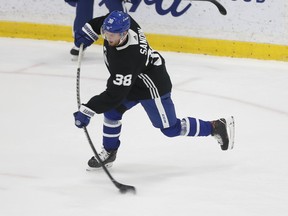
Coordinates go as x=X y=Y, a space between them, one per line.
x=35 y=31
x=160 y=42
x=219 y=47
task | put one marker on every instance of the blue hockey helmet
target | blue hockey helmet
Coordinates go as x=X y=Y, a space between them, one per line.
x=116 y=22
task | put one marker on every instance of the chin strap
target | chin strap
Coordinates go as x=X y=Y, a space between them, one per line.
x=123 y=37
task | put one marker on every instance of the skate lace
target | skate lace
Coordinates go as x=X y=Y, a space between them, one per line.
x=103 y=154
x=217 y=135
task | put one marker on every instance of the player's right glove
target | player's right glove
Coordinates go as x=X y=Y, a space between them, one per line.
x=85 y=36
x=83 y=116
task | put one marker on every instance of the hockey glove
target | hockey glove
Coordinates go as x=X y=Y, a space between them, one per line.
x=85 y=36
x=82 y=117
x=73 y=3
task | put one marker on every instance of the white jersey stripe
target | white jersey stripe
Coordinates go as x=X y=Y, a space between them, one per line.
x=154 y=88
x=148 y=86
x=149 y=83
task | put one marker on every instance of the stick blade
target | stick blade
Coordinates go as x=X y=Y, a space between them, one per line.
x=223 y=11
x=125 y=188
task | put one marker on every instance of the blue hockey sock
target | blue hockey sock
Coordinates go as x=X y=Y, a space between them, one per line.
x=111 y=134
x=195 y=127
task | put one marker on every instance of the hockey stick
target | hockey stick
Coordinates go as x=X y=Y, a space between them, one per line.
x=220 y=7
x=123 y=188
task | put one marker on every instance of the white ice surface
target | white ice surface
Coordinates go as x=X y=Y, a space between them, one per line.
x=43 y=155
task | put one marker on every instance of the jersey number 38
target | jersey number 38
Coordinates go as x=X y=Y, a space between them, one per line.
x=123 y=80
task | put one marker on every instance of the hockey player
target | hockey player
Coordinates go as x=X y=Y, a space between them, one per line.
x=137 y=75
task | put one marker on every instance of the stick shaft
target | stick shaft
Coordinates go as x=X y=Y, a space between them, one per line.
x=117 y=184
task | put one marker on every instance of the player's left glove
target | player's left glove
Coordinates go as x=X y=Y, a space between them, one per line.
x=83 y=116
x=85 y=36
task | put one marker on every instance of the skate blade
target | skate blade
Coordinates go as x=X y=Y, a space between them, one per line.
x=230 y=124
x=91 y=169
